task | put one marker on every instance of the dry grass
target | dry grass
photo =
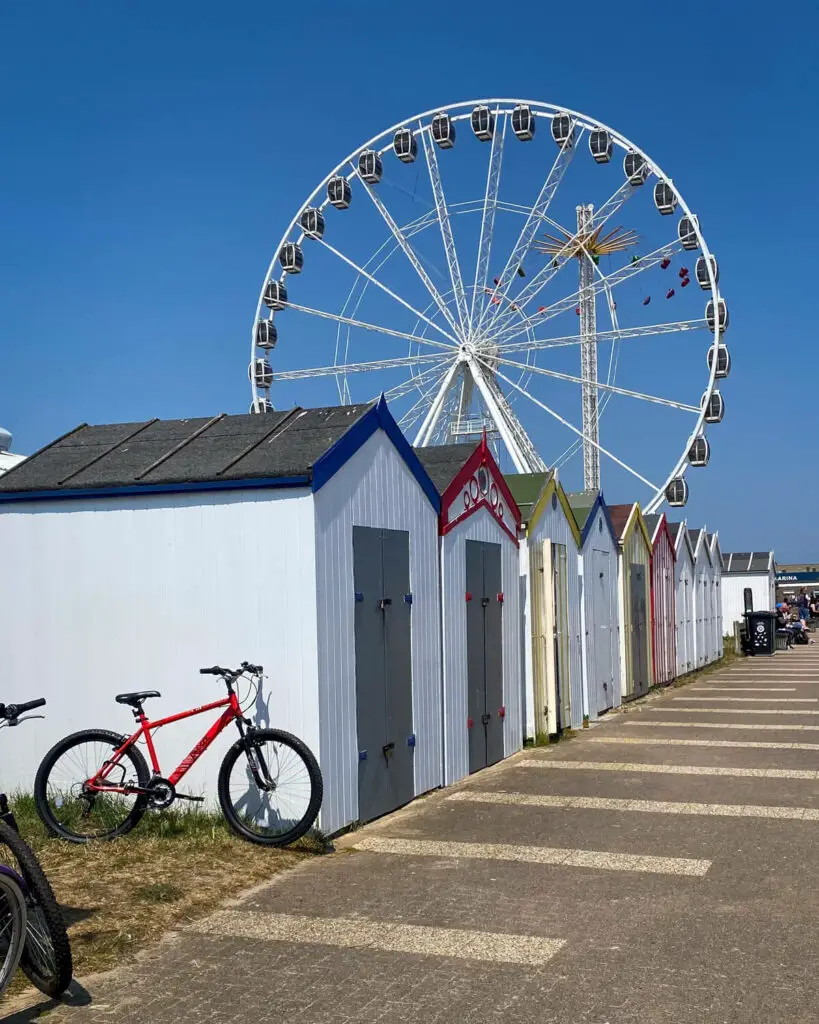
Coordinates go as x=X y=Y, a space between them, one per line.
x=117 y=897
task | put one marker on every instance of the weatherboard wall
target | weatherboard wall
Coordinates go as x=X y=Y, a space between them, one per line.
x=732 y=588
x=600 y=625
x=663 y=610
x=104 y=595
x=684 y=576
x=377 y=490
x=635 y=550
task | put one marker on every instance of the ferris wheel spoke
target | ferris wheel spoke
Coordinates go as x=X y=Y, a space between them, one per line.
x=603 y=387
x=511 y=316
x=413 y=383
x=526 y=238
x=601 y=337
x=388 y=291
x=352 y=322
x=422 y=403
x=580 y=434
x=411 y=255
x=365 y=367
x=490 y=207
x=514 y=436
x=603 y=283
x=447 y=237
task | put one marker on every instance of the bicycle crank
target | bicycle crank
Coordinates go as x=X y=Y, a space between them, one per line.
x=160 y=792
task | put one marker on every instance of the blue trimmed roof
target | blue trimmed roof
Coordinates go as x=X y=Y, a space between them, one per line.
x=295 y=448
x=590 y=513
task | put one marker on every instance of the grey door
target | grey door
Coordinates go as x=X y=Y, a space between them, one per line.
x=639 y=629
x=383 y=670
x=484 y=647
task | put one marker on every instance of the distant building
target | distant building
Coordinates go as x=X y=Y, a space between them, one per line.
x=754 y=571
x=7 y=459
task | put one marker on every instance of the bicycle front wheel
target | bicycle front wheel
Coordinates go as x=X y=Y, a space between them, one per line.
x=12 y=926
x=65 y=804
x=46 y=958
x=286 y=804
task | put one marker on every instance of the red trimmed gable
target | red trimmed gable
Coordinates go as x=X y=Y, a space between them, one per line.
x=479 y=484
x=663 y=531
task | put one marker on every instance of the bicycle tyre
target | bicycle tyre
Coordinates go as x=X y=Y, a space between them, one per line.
x=41 y=897
x=316 y=789
x=12 y=902
x=115 y=740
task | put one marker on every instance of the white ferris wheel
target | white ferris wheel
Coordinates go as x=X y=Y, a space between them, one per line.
x=507 y=282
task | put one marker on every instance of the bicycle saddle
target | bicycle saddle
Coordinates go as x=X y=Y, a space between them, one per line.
x=135 y=699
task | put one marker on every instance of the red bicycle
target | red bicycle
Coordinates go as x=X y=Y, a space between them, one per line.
x=96 y=784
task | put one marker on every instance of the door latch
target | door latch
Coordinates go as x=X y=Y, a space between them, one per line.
x=388 y=749
x=484 y=602
x=384 y=603
x=486 y=719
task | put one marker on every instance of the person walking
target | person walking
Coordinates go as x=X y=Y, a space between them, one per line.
x=803 y=605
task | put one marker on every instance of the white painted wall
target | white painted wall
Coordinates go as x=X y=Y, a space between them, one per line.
x=554 y=527
x=483 y=527
x=375 y=489
x=600 y=620
x=107 y=595
x=528 y=667
x=702 y=603
x=763 y=586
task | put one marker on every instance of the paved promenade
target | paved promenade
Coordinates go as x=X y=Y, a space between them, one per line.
x=662 y=868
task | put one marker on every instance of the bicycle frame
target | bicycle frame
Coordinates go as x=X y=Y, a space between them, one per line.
x=232 y=713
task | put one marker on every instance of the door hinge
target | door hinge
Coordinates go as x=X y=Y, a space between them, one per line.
x=500 y=598
x=468 y=596
x=407 y=598
x=362 y=755
x=411 y=740
x=359 y=597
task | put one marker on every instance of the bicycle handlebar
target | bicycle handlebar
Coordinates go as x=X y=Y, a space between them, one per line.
x=232 y=673
x=12 y=711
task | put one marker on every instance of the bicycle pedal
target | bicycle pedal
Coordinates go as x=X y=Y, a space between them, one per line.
x=193 y=799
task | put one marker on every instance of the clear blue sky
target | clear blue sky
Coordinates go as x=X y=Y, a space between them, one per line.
x=152 y=155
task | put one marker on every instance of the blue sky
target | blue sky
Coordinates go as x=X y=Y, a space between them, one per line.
x=153 y=155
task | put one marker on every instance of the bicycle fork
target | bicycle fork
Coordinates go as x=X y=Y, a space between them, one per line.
x=256 y=760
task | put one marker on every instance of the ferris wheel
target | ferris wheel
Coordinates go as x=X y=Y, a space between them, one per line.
x=517 y=300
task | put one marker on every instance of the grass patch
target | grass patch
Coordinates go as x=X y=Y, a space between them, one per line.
x=120 y=896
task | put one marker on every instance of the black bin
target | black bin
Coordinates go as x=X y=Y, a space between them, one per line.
x=761 y=632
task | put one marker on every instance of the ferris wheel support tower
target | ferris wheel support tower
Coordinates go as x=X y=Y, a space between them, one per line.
x=588 y=356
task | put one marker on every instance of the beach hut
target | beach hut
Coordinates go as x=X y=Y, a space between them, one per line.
x=703 y=597
x=634 y=597
x=599 y=624
x=716 y=602
x=481 y=613
x=753 y=571
x=684 y=576
x=525 y=489
x=304 y=540
x=556 y=700
x=663 y=604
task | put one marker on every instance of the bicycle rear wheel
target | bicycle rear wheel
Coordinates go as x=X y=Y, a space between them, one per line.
x=68 y=809
x=46 y=958
x=12 y=926
x=283 y=812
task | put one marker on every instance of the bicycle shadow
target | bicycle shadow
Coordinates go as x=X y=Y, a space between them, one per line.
x=76 y=996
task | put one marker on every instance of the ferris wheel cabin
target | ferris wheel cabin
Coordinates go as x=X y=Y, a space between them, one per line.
x=676 y=494
x=275 y=295
x=635 y=168
x=600 y=146
x=723 y=315
x=261 y=372
x=483 y=123
x=714 y=407
x=266 y=334
x=723 y=360
x=701 y=272
x=291 y=258
x=339 y=192
x=687 y=233
x=700 y=451
x=563 y=130
x=523 y=122
x=665 y=199
x=443 y=131
x=405 y=145
x=370 y=167
x=312 y=222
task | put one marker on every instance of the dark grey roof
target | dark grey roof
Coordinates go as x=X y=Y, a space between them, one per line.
x=443 y=461
x=203 y=450
x=674 y=530
x=652 y=521
x=746 y=561
x=695 y=536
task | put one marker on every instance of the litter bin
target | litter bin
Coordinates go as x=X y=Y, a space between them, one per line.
x=762 y=631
